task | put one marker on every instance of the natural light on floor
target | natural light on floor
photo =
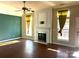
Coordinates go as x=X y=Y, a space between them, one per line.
x=29 y=46
x=9 y=42
x=76 y=54
x=53 y=50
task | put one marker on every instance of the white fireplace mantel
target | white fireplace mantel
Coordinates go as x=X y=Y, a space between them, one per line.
x=44 y=30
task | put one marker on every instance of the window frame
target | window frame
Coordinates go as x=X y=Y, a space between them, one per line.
x=68 y=17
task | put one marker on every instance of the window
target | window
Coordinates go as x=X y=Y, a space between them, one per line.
x=65 y=30
x=29 y=25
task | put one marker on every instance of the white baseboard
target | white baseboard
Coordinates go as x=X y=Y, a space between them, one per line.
x=40 y=42
x=10 y=39
x=64 y=44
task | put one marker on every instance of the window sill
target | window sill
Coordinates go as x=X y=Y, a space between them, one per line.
x=65 y=40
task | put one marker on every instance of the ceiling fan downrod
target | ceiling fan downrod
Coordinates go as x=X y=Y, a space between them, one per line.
x=24 y=8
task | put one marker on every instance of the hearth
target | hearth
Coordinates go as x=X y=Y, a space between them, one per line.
x=42 y=37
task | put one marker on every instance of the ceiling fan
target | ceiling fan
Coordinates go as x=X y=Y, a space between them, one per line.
x=25 y=9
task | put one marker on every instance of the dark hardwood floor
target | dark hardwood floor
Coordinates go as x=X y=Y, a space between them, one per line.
x=30 y=49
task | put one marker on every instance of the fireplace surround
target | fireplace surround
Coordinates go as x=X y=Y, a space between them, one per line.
x=43 y=35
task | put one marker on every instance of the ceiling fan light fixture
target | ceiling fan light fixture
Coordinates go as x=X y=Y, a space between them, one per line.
x=26 y=9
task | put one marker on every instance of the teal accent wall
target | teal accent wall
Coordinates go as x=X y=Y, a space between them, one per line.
x=10 y=26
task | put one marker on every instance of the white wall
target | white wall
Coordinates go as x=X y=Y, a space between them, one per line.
x=52 y=23
x=46 y=14
x=75 y=15
x=23 y=26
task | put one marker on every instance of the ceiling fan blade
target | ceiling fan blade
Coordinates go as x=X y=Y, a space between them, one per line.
x=30 y=10
x=24 y=9
x=18 y=10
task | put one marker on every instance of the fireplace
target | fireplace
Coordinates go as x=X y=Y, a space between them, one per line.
x=42 y=37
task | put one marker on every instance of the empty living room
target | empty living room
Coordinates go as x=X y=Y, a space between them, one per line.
x=39 y=29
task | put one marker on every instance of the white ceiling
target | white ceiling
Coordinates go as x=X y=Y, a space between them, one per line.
x=12 y=7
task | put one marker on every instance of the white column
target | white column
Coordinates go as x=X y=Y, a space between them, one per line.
x=24 y=26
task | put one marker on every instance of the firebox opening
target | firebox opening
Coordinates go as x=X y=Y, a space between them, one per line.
x=42 y=37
